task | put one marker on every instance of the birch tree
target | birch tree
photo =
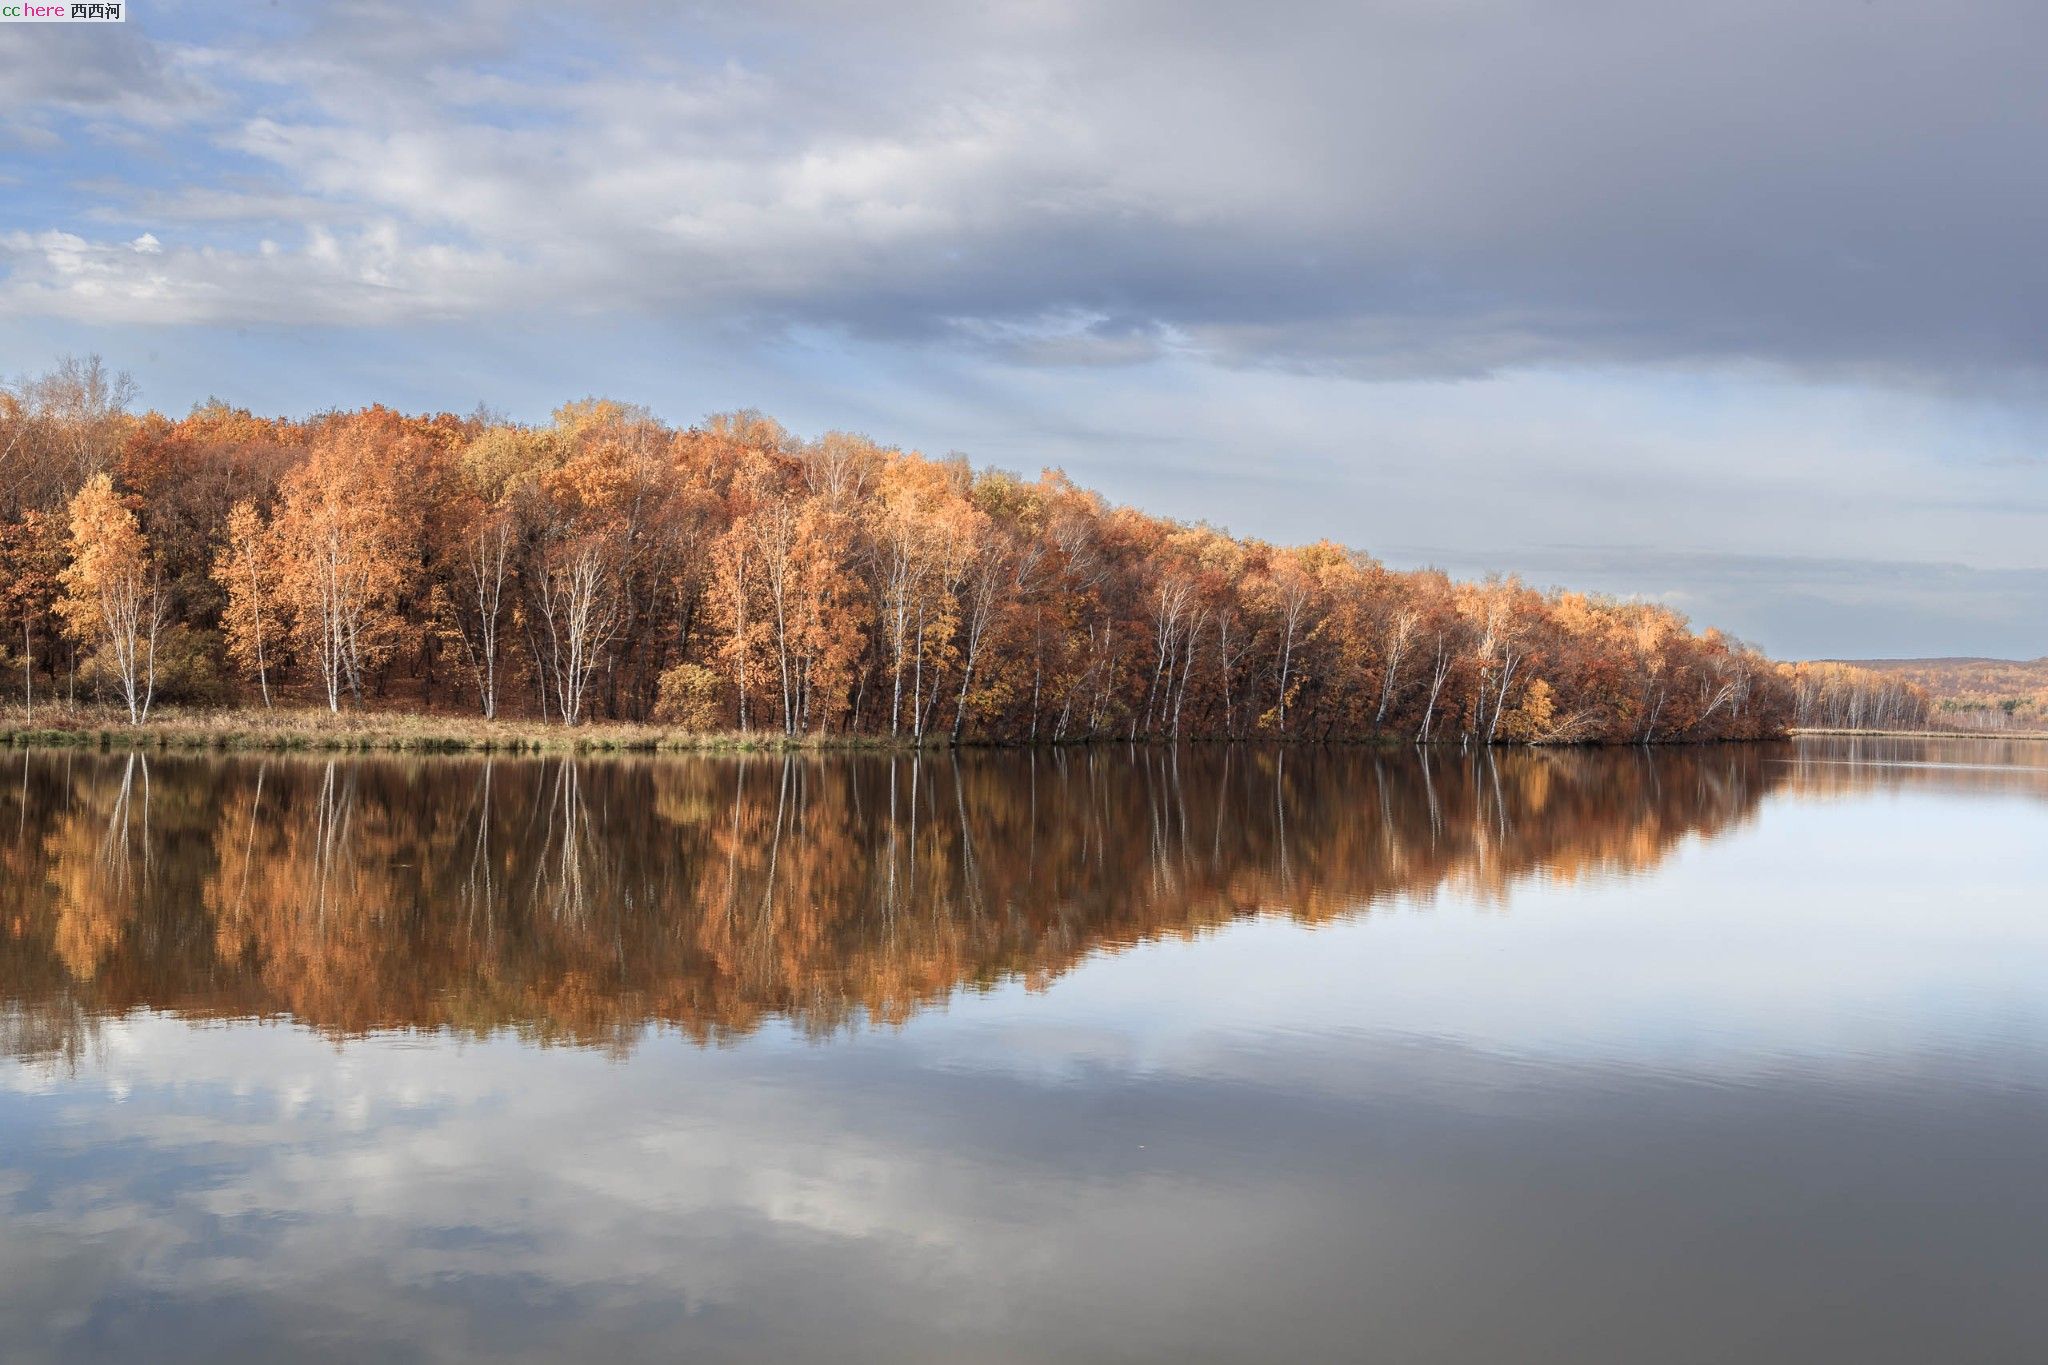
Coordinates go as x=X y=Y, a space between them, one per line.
x=579 y=607
x=341 y=541
x=246 y=569
x=113 y=595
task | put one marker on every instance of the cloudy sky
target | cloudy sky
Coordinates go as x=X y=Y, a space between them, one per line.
x=1740 y=306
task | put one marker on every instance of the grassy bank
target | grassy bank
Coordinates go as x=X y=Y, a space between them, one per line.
x=316 y=729
x=375 y=732
x=1815 y=733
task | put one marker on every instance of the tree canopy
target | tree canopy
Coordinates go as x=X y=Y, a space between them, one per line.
x=731 y=575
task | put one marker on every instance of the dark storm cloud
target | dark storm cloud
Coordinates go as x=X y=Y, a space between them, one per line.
x=1455 y=188
x=79 y=66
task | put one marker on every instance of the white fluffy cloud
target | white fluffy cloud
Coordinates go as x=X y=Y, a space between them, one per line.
x=365 y=277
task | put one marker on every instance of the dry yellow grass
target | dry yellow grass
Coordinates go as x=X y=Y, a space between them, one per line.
x=366 y=731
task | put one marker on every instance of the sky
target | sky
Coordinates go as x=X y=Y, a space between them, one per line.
x=1739 y=307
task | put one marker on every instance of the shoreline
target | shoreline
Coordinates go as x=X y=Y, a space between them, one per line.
x=312 y=730
x=1822 y=732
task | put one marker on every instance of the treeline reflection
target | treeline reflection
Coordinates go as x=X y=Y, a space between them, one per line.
x=587 y=901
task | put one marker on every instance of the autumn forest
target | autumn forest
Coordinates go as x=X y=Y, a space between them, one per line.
x=731 y=577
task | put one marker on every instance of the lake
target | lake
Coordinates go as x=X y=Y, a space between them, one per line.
x=1106 y=1054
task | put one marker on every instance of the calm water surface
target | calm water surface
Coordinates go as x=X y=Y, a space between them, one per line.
x=1736 y=1054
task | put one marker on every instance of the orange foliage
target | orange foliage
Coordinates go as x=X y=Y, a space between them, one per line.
x=835 y=586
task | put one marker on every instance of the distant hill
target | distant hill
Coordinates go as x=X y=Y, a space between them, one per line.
x=1991 y=694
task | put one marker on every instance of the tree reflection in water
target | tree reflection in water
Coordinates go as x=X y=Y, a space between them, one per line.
x=584 y=901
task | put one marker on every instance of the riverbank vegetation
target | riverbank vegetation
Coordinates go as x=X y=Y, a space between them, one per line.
x=1840 y=697
x=1997 y=696
x=396 y=730
x=605 y=569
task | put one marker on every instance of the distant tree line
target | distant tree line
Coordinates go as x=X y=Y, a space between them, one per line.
x=1838 y=696
x=1977 y=693
x=733 y=576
